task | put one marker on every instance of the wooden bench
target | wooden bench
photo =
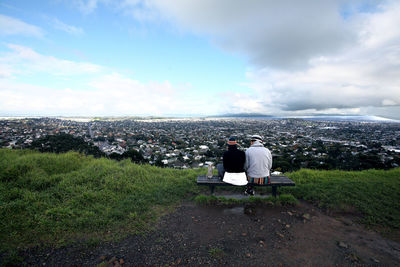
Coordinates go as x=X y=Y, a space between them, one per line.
x=276 y=181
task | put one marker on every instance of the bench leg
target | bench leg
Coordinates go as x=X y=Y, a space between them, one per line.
x=274 y=189
x=212 y=188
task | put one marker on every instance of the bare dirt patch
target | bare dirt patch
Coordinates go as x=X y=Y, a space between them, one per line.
x=242 y=235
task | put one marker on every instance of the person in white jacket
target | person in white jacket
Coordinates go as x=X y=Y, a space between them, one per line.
x=258 y=163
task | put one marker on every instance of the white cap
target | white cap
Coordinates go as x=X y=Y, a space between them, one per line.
x=256 y=137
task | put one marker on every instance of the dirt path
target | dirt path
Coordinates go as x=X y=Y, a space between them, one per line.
x=238 y=236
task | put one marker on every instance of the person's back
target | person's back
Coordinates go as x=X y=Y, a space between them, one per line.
x=234 y=159
x=258 y=163
x=232 y=169
x=258 y=160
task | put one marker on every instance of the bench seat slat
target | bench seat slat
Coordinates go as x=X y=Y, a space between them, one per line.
x=275 y=181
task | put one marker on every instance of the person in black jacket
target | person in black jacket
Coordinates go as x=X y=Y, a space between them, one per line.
x=233 y=159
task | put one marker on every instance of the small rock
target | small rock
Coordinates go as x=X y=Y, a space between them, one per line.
x=290 y=214
x=306 y=216
x=279 y=220
x=375 y=260
x=354 y=257
x=281 y=235
x=342 y=244
x=261 y=243
x=121 y=261
x=248 y=255
x=346 y=222
x=287 y=225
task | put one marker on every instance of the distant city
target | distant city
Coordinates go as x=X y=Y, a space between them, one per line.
x=310 y=142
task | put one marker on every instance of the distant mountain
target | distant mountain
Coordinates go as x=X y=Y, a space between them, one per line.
x=314 y=117
x=359 y=118
x=241 y=115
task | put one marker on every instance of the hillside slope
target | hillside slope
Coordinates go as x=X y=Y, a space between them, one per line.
x=60 y=198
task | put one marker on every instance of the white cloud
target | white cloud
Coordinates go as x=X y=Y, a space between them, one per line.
x=59 y=25
x=281 y=34
x=24 y=60
x=101 y=91
x=12 y=26
x=89 y=6
x=86 y=7
x=111 y=94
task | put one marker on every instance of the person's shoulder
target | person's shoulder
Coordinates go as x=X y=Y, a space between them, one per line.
x=241 y=152
x=249 y=150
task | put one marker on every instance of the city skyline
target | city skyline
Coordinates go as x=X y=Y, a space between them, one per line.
x=199 y=58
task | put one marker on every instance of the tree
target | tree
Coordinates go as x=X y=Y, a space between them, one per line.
x=134 y=155
x=62 y=143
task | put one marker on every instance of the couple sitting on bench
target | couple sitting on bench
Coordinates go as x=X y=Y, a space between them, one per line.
x=250 y=167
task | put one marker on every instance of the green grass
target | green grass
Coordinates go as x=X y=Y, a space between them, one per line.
x=283 y=199
x=53 y=198
x=374 y=194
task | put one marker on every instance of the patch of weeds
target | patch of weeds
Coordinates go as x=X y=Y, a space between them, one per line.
x=93 y=242
x=103 y=264
x=287 y=199
x=216 y=253
x=205 y=200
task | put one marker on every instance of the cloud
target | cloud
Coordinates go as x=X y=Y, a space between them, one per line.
x=112 y=94
x=99 y=89
x=24 y=60
x=366 y=75
x=88 y=6
x=279 y=34
x=59 y=25
x=305 y=56
x=12 y=26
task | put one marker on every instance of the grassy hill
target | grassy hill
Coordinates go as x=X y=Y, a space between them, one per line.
x=374 y=195
x=56 y=198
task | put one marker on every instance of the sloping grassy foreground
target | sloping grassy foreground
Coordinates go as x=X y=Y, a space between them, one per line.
x=53 y=198
x=375 y=194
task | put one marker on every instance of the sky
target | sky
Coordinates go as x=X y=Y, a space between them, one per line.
x=199 y=57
